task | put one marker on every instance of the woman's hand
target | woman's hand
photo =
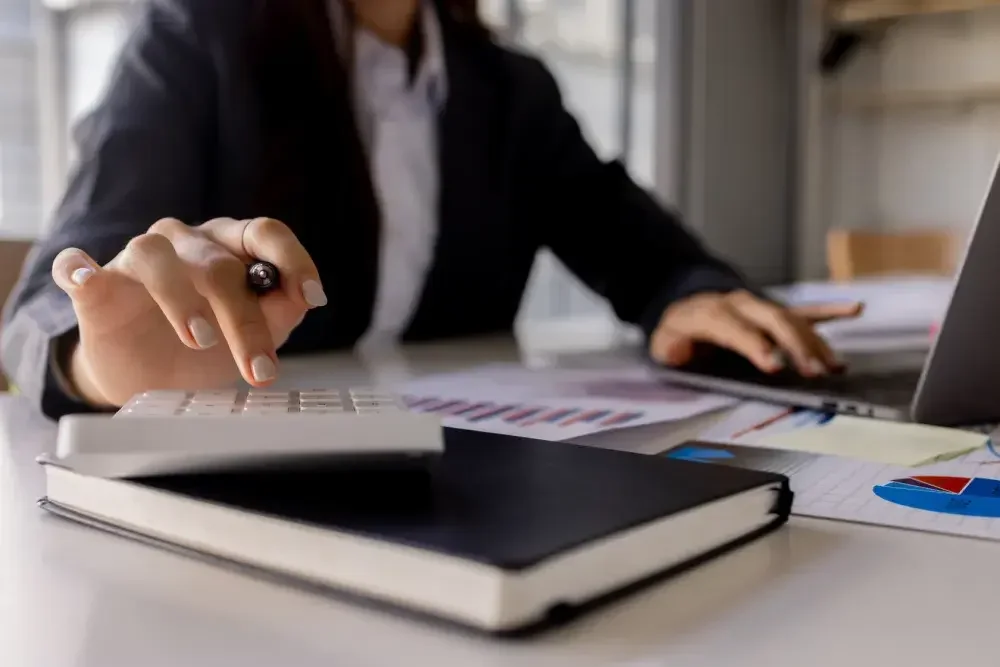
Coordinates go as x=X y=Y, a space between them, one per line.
x=761 y=331
x=173 y=309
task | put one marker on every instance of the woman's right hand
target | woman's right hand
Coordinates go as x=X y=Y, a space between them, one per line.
x=173 y=309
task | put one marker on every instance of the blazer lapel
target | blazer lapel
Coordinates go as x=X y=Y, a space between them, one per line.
x=345 y=196
x=469 y=144
x=316 y=171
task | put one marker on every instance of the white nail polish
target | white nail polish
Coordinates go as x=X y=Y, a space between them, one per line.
x=262 y=368
x=816 y=367
x=81 y=275
x=202 y=332
x=313 y=293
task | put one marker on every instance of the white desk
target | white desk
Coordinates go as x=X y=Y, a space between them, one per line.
x=816 y=594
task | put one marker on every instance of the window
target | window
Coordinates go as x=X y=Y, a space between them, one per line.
x=78 y=42
x=20 y=175
x=93 y=39
x=612 y=98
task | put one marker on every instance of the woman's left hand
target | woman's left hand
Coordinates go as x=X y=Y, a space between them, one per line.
x=762 y=331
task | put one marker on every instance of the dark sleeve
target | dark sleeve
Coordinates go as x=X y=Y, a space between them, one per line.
x=141 y=157
x=606 y=229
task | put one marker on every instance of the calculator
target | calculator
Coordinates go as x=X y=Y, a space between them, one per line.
x=176 y=432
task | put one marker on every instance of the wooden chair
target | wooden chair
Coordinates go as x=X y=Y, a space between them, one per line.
x=12 y=256
x=853 y=254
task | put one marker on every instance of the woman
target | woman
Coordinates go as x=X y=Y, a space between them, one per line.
x=398 y=166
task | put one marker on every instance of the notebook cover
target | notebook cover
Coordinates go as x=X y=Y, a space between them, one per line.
x=501 y=500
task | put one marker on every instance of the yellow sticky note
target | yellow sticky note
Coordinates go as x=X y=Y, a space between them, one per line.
x=893 y=443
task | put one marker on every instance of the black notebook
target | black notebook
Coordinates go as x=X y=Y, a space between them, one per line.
x=500 y=533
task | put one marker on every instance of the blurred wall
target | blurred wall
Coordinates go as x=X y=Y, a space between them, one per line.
x=726 y=110
x=907 y=134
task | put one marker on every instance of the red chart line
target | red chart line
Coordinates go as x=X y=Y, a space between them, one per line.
x=763 y=424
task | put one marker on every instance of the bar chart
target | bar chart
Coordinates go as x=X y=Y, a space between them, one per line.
x=525 y=415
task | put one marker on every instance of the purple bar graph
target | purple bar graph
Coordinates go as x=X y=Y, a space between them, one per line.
x=588 y=417
x=490 y=414
x=621 y=418
x=523 y=414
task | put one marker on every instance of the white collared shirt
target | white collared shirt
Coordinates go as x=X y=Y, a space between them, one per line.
x=397 y=118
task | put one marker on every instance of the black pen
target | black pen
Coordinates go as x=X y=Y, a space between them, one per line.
x=263 y=277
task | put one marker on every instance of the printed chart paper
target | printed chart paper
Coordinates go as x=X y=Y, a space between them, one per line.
x=874 y=440
x=900 y=312
x=555 y=404
x=956 y=497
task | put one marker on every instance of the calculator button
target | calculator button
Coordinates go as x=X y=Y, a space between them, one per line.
x=268 y=395
x=320 y=403
x=224 y=408
x=321 y=410
x=370 y=396
x=268 y=401
x=265 y=410
x=158 y=401
x=147 y=411
x=320 y=395
x=372 y=404
x=220 y=394
x=164 y=395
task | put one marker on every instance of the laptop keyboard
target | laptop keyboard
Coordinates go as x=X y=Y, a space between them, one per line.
x=887 y=387
x=893 y=388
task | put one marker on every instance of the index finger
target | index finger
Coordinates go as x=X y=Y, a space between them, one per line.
x=222 y=281
x=272 y=241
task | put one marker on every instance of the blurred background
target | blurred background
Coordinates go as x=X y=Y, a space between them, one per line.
x=770 y=124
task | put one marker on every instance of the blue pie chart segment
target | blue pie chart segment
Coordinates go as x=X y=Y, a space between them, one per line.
x=967 y=496
x=700 y=454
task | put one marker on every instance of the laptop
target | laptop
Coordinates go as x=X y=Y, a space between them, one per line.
x=954 y=383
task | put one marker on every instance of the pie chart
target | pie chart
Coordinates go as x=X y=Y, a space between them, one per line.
x=967 y=496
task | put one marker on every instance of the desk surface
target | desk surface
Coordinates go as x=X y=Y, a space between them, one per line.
x=818 y=593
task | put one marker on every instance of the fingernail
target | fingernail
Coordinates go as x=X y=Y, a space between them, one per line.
x=202 y=332
x=816 y=367
x=262 y=368
x=313 y=293
x=81 y=275
x=777 y=360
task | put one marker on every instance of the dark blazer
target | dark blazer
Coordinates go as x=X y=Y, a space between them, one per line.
x=202 y=120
